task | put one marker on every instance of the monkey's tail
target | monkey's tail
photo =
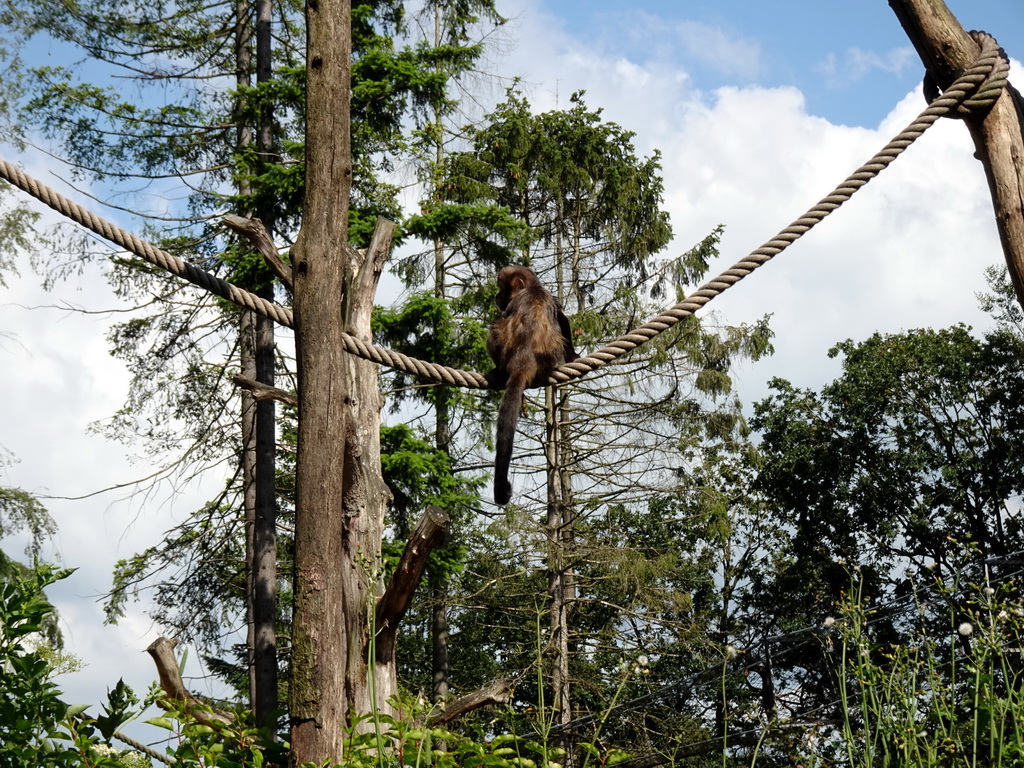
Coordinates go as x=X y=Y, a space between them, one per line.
x=508 y=418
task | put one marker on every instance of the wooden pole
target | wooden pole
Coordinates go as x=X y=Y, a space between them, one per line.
x=947 y=50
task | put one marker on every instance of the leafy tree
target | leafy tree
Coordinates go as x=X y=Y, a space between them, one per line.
x=204 y=135
x=564 y=193
x=911 y=454
x=212 y=135
x=21 y=511
x=1002 y=302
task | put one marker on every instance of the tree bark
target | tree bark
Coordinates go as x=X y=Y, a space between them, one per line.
x=947 y=50
x=331 y=589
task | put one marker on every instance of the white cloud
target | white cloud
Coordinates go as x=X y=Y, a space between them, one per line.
x=856 y=63
x=553 y=64
x=59 y=378
x=722 y=51
x=908 y=250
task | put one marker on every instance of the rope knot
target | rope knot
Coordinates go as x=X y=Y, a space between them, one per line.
x=989 y=74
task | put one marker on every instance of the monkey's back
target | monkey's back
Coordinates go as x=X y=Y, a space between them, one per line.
x=528 y=328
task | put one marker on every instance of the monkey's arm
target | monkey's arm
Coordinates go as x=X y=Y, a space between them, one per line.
x=496 y=379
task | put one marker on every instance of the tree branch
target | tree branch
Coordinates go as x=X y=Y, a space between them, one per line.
x=162 y=651
x=258 y=237
x=394 y=602
x=261 y=391
x=495 y=694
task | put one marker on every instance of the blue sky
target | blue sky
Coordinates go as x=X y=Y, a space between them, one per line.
x=850 y=58
x=759 y=108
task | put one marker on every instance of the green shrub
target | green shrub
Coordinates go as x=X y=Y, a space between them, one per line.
x=37 y=729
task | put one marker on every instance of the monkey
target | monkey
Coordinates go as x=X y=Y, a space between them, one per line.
x=530 y=338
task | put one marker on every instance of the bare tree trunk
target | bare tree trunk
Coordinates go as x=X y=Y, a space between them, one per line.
x=439 y=640
x=259 y=438
x=247 y=365
x=332 y=587
x=264 y=594
x=259 y=501
x=947 y=50
x=264 y=539
x=560 y=585
x=366 y=495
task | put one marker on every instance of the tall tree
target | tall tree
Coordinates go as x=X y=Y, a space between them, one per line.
x=225 y=137
x=564 y=193
x=913 y=453
x=257 y=346
x=329 y=635
x=454 y=30
x=224 y=143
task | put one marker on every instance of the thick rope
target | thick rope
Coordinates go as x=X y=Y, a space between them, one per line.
x=223 y=288
x=976 y=89
x=144 y=748
x=141 y=248
x=989 y=90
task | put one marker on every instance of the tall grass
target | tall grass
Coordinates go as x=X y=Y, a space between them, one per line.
x=951 y=696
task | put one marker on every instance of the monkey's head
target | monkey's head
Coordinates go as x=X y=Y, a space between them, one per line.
x=511 y=280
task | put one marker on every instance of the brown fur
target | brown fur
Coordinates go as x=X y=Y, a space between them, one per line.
x=530 y=338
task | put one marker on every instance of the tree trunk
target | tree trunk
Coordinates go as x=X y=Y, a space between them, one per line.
x=264 y=595
x=439 y=639
x=259 y=421
x=264 y=538
x=947 y=50
x=559 y=526
x=247 y=365
x=259 y=501
x=331 y=591
x=366 y=495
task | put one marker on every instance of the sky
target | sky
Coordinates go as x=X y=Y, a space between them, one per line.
x=759 y=110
